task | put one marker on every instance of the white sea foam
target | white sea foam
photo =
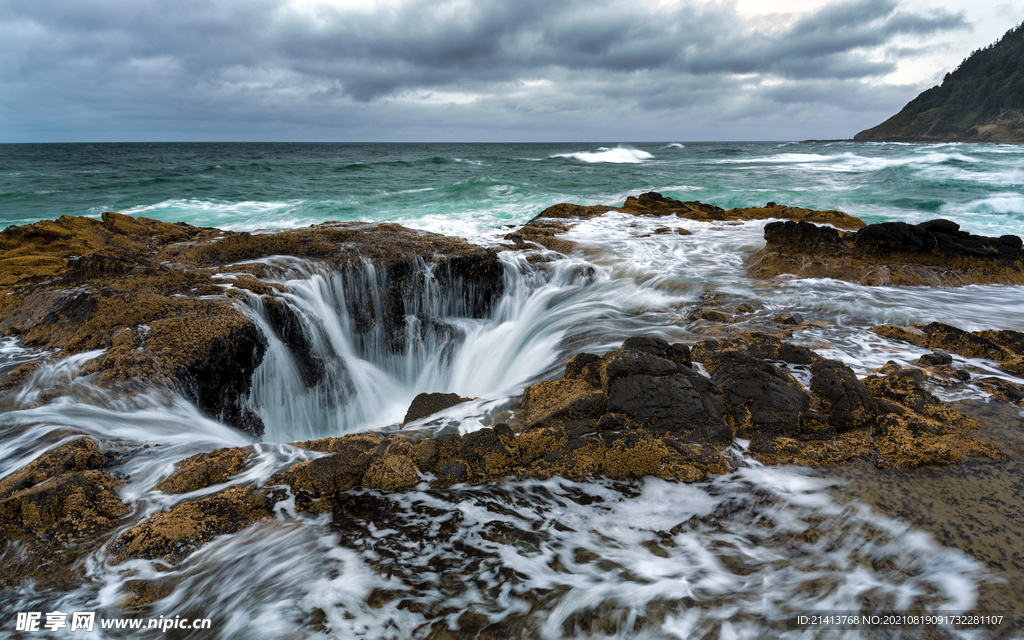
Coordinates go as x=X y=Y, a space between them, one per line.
x=618 y=155
x=730 y=555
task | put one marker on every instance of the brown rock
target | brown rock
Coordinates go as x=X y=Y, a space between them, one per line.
x=66 y=507
x=173 y=535
x=79 y=454
x=205 y=469
x=933 y=253
x=145 y=291
x=391 y=473
x=560 y=401
x=426 y=404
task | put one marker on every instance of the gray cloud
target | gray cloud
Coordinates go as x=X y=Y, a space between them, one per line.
x=264 y=69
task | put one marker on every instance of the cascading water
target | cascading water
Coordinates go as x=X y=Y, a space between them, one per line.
x=368 y=377
x=553 y=559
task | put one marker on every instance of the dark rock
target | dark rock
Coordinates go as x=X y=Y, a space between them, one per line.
x=574 y=367
x=655 y=346
x=936 y=252
x=841 y=396
x=799 y=234
x=491 y=451
x=332 y=474
x=621 y=364
x=427 y=404
x=789 y=318
x=936 y=360
x=669 y=405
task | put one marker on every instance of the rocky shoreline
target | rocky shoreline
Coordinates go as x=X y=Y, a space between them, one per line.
x=163 y=302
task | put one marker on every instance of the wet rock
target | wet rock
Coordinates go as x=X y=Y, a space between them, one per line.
x=761 y=397
x=561 y=401
x=79 y=454
x=53 y=512
x=205 y=469
x=1003 y=389
x=621 y=364
x=492 y=452
x=330 y=475
x=148 y=293
x=427 y=404
x=841 y=396
x=1001 y=346
x=173 y=535
x=654 y=204
x=711 y=315
x=391 y=473
x=934 y=253
x=66 y=507
x=655 y=346
x=670 y=404
x=936 y=360
x=574 y=368
x=789 y=318
x=544 y=229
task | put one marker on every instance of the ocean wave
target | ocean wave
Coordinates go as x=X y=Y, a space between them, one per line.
x=674 y=145
x=618 y=155
x=782 y=158
x=849 y=162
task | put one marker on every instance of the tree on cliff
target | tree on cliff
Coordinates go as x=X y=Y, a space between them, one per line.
x=981 y=100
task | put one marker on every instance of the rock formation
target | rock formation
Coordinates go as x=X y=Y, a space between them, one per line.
x=544 y=229
x=935 y=253
x=161 y=298
x=643 y=410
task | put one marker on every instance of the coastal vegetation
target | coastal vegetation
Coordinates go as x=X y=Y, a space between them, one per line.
x=982 y=100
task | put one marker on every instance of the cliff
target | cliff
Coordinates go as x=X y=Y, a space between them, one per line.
x=982 y=100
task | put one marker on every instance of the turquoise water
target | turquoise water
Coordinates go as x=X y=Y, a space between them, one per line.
x=468 y=188
x=737 y=577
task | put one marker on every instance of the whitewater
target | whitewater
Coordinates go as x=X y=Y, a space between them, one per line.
x=733 y=557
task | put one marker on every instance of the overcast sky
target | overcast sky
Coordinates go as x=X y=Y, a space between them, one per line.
x=475 y=70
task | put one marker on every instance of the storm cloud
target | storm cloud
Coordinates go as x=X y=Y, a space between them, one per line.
x=460 y=70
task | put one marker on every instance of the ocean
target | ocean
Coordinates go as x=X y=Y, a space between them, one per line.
x=529 y=559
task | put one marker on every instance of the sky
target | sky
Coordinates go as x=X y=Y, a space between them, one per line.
x=475 y=70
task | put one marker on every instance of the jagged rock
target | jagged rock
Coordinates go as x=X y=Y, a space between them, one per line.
x=79 y=454
x=621 y=364
x=670 y=404
x=889 y=253
x=65 y=507
x=561 y=401
x=1001 y=346
x=172 y=535
x=333 y=474
x=494 y=452
x=391 y=473
x=427 y=404
x=936 y=360
x=841 y=396
x=148 y=293
x=205 y=469
x=655 y=346
x=544 y=229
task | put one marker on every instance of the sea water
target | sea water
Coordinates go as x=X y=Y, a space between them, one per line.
x=727 y=558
